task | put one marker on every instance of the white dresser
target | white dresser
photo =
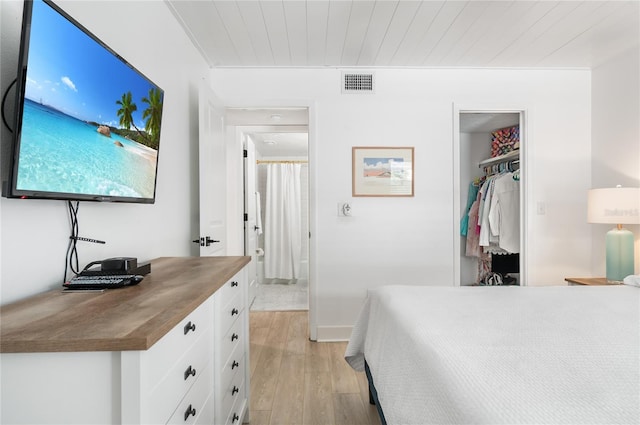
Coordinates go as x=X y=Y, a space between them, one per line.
x=171 y=350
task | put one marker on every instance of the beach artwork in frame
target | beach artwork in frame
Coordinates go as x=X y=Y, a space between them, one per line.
x=382 y=171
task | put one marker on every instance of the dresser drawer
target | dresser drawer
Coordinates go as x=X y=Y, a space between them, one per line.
x=237 y=412
x=195 y=365
x=164 y=354
x=229 y=313
x=233 y=338
x=196 y=402
x=230 y=289
x=235 y=366
x=231 y=394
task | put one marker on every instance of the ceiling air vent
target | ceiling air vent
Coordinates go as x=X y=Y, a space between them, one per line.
x=357 y=83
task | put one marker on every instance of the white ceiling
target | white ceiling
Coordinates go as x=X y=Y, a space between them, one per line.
x=404 y=33
x=278 y=144
x=385 y=33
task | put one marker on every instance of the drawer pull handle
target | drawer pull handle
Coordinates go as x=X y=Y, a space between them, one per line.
x=235 y=418
x=189 y=372
x=234 y=283
x=234 y=365
x=234 y=311
x=234 y=337
x=234 y=390
x=190 y=411
x=189 y=327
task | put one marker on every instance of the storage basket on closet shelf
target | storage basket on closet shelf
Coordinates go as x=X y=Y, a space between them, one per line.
x=505 y=140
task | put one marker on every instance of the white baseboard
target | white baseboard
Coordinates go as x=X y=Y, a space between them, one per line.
x=334 y=333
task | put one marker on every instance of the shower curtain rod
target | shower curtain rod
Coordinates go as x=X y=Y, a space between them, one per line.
x=281 y=162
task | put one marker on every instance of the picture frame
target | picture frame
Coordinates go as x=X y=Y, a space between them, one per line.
x=382 y=171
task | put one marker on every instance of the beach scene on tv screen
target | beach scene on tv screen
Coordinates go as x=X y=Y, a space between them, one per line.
x=91 y=123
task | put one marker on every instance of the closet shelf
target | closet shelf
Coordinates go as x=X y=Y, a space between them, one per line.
x=502 y=158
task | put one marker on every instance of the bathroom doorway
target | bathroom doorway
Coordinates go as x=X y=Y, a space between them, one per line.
x=276 y=186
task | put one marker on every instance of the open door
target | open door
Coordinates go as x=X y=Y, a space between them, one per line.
x=212 y=161
x=252 y=229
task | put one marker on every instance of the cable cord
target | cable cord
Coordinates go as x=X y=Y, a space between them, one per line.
x=4 y=100
x=71 y=260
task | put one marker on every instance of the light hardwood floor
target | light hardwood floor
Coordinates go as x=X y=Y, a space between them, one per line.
x=295 y=381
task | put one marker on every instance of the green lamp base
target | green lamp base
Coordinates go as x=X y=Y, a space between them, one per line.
x=619 y=254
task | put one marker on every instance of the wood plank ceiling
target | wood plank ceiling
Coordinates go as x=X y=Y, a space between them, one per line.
x=406 y=33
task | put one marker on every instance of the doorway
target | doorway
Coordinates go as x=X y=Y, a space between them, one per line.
x=489 y=145
x=283 y=184
x=275 y=141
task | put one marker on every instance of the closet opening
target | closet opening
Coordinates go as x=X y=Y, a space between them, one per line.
x=489 y=209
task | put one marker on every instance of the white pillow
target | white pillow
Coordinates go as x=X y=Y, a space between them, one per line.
x=632 y=280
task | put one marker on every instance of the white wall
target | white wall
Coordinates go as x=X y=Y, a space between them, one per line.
x=410 y=240
x=34 y=233
x=615 y=139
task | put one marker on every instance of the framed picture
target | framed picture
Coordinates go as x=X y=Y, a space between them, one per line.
x=382 y=171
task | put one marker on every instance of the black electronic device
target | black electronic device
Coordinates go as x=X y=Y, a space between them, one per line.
x=116 y=266
x=116 y=272
x=87 y=123
x=107 y=281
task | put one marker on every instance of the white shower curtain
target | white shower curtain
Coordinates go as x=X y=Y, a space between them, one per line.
x=282 y=227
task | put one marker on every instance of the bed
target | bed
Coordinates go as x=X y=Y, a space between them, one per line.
x=501 y=355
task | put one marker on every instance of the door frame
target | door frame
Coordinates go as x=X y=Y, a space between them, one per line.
x=250 y=236
x=525 y=180
x=312 y=131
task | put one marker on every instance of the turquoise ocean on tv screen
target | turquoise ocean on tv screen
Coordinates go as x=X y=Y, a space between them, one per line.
x=59 y=153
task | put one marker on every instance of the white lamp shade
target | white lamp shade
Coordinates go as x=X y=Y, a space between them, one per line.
x=617 y=205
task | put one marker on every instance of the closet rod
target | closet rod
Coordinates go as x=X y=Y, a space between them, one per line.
x=281 y=162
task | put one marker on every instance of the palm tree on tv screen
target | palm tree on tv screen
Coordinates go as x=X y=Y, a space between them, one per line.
x=128 y=107
x=153 y=114
x=126 y=111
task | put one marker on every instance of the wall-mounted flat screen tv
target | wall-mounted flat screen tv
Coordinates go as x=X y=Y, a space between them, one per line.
x=87 y=122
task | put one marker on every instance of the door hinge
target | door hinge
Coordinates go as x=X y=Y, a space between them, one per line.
x=245 y=153
x=246 y=217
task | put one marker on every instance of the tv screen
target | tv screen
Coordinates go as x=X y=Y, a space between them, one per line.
x=87 y=122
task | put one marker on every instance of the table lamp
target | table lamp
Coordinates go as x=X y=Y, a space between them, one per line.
x=617 y=205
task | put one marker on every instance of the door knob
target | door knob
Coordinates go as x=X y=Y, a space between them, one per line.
x=208 y=241
x=205 y=241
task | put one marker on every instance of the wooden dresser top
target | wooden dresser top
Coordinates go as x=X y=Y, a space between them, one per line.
x=130 y=318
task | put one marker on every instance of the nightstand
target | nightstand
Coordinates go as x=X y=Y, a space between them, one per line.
x=588 y=281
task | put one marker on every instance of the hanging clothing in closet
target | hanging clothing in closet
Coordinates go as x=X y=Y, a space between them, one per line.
x=504 y=212
x=474 y=186
x=494 y=217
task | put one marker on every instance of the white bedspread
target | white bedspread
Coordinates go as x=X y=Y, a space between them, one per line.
x=502 y=355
